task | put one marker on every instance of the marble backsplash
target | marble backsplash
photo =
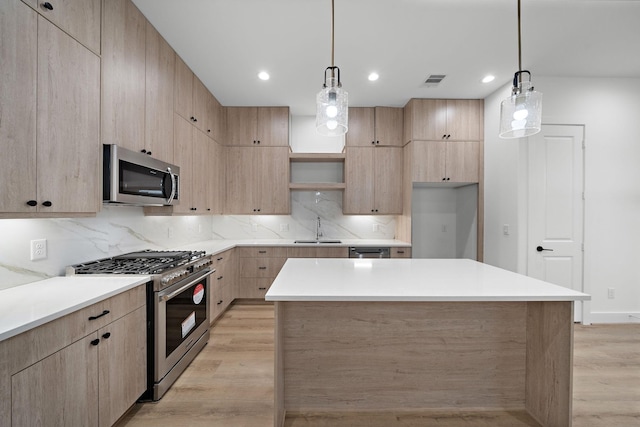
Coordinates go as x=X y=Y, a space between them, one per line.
x=116 y=230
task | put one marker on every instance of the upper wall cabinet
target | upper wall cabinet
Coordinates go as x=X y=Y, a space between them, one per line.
x=49 y=117
x=375 y=126
x=78 y=18
x=159 y=72
x=124 y=30
x=258 y=126
x=195 y=103
x=437 y=119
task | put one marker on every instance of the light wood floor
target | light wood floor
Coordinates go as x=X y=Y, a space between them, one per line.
x=230 y=383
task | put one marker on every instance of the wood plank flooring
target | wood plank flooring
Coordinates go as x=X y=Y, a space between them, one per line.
x=230 y=384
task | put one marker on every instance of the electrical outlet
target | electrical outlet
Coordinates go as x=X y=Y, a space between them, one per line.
x=376 y=227
x=38 y=249
x=505 y=229
x=284 y=227
x=170 y=232
x=611 y=293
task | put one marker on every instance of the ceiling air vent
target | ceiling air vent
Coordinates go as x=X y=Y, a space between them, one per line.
x=434 y=80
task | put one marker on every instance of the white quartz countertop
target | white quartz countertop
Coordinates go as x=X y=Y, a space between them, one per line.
x=28 y=306
x=334 y=279
x=217 y=246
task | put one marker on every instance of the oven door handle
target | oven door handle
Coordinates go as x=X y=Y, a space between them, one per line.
x=166 y=297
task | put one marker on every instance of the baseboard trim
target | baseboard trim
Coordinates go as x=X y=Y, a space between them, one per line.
x=613 y=317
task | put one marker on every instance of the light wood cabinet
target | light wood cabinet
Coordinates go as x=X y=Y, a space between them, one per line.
x=264 y=126
x=50 y=118
x=258 y=267
x=195 y=103
x=444 y=119
x=124 y=30
x=159 y=81
x=215 y=169
x=77 y=371
x=224 y=282
x=78 y=18
x=318 y=252
x=257 y=180
x=373 y=177
x=375 y=126
x=445 y=161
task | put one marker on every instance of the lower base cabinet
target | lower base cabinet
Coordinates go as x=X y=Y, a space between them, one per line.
x=223 y=282
x=259 y=266
x=77 y=371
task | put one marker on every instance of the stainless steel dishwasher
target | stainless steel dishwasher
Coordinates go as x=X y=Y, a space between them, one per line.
x=369 y=252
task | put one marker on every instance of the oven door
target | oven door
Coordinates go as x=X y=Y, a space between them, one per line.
x=181 y=317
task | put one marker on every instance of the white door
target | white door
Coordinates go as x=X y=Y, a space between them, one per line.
x=556 y=207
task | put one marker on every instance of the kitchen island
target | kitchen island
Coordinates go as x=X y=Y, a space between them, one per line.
x=385 y=335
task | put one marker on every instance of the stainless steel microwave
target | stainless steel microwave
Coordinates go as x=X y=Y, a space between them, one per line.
x=134 y=178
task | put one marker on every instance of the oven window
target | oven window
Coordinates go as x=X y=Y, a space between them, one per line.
x=185 y=312
x=142 y=181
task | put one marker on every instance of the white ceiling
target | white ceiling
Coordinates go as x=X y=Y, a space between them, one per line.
x=227 y=42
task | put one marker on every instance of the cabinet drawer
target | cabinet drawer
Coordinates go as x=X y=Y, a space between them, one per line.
x=261 y=267
x=400 y=252
x=40 y=342
x=263 y=251
x=218 y=260
x=255 y=287
x=335 y=252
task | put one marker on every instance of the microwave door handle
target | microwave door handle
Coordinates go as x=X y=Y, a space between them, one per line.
x=173 y=186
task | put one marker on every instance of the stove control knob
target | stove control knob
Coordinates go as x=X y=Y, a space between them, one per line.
x=165 y=280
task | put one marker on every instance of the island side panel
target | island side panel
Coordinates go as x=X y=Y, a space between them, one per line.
x=549 y=377
x=278 y=387
x=381 y=356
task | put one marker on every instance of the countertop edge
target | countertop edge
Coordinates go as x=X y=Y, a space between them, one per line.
x=9 y=333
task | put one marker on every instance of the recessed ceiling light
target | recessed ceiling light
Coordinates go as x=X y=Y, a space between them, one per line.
x=373 y=77
x=488 y=79
x=263 y=75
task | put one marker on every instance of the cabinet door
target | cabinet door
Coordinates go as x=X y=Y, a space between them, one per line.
x=60 y=390
x=463 y=161
x=122 y=365
x=200 y=99
x=465 y=119
x=272 y=183
x=123 y=75
x=183 y=157
x=429 y=119
x=428 y=163
x=215 y=113
x=215 y=171
x=388 y=180
x=361 y=127
x=68 y=129
x=160 y=69
x=358 y=197
x=18 y=68
x=240 y=181
x=273 y=126
x=183 y=90
x=388 y=126
x=242 y=123
x=201 y=183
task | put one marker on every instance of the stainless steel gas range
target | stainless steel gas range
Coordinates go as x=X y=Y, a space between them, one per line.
x=177 y=308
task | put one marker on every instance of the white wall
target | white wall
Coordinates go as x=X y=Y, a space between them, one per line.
x=610 y=111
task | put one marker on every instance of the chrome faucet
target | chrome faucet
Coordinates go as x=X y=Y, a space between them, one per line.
x=318 y=229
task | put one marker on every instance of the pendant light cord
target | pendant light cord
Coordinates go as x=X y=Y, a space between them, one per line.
x=519 y=40
x=332 y=37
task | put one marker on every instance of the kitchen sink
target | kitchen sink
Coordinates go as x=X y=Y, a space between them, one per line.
x=317 y=241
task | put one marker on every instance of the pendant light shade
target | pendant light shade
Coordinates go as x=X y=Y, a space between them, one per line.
x=521 y=113
x=332 y=102
x=332 y=106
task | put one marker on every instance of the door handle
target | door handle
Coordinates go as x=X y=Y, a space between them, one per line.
x=540 y=249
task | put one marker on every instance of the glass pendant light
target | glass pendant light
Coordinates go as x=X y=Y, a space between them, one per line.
x=521 y=113
x=332 y=102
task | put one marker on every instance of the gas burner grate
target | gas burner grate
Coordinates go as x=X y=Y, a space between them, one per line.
x=142 y=262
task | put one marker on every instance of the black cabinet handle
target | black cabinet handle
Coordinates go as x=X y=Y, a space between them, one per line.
x=104 y=313
x=377 y=142
x=373 y=142
x=193 y=209
x=219 y=259
x=262 y=289
x=262 y=252
x=95 y=342
x=32 y=203
x=220 y=278
x=193 y=119
x=47 y=203
x=258 y=141
x=149 y=153
x=143 y=151
x=540 y=249
x=448 y=179
x=209 y=130
x=219 y=302
x=47 y=5
x=262 y=268
x=106 y=335
x=400 y=252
